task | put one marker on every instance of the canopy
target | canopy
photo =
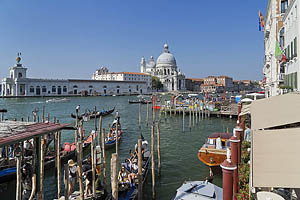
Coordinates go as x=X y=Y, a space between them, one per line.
x=246 y=100
x=275 y=111
x=245 y=110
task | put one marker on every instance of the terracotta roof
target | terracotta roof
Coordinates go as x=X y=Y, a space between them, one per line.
x=104 y=81
x=196 y=79
x=135 y=73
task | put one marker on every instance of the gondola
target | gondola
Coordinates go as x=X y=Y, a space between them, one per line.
x=111 y=143
x=94 y=114
x=67 y=152
x=127 y=192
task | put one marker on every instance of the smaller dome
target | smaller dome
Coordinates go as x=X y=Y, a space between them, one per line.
x=166 y=46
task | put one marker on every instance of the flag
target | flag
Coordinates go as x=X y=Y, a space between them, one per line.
x=261 y=21
x=259 y=26
x=278 y=51
x=279 y=54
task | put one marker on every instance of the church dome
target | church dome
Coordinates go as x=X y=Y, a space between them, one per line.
x=166 y=57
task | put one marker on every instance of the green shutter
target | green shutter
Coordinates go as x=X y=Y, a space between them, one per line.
x=295 y=47
x=292 y=50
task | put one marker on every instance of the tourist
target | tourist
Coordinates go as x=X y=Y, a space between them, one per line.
x=87 y=170
x=123 y=176
x=28 y=182
x=72 y=176
x=247 y=134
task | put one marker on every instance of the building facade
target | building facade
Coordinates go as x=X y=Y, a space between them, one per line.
x=217 y=84
x=273 y=71
x=282 y=25
x=289 y=36
x=165 y=68
x=104 y=74
x=19 y=85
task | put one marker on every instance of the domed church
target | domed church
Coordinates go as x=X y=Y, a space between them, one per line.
x=165 y=68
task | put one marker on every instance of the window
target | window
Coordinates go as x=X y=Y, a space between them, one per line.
x=292 y=50
x=53 y=89
x=295 y=47
x=284 y=5
x=20 y=75
x=75 y=86
x=31 y=90
x=65 y=89
x=281 y=37
x=90 y=86
x=44 y=89
x=137 y=88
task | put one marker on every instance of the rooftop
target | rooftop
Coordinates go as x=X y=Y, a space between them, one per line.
x=15 y=131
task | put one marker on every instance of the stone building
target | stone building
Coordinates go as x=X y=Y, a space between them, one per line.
x=165 y=68
x=18 y=85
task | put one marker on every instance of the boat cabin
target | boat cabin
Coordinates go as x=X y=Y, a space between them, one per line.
x=218 y=141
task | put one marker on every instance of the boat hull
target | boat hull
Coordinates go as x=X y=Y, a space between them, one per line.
x=212 y=157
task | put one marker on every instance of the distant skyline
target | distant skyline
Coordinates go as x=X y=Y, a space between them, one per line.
x=73 y=38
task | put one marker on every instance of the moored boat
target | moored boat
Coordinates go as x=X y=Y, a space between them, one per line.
x=110 y=139
x=199 y=190
x=67 y=152
x=213 y=152
x=89 y=114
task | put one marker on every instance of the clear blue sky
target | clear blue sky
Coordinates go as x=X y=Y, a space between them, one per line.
x=71 y=38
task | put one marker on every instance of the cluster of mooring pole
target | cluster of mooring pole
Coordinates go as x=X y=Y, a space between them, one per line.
x=38 y=156
x=230 y=166
x=196 y=110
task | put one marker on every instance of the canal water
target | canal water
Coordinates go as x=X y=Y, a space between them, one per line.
x=179 y=161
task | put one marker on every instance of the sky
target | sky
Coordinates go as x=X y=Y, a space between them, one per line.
x=71 y=39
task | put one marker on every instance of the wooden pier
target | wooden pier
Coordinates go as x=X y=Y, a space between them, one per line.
x=226 y=111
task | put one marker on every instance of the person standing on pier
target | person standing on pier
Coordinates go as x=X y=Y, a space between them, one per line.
x=247 y=134
x=72 y=176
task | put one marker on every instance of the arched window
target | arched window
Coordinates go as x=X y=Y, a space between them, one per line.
x=65 y=89
x=59 y=89
x=75 y=86
x=44 y=89
x=31 y=89
x=38 y=90
x=168 y=71
x=53 y=89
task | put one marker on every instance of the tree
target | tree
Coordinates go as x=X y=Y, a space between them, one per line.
x=156 y=84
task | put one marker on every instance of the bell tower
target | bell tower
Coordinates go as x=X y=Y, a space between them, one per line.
x=17 y=71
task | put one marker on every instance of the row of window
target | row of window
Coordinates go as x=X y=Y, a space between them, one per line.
x=44 y=89
x=291 y=80
x=291 y=50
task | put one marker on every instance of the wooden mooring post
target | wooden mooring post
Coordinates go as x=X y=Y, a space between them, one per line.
x=158 y=148
x=190 y=118
x=100 y=129
x=104 y=158
x=41 y=161
x=153 y=162
x=140 y=117
x=93 y=164
x=66 y=180
x=19 y=179
x=140 y=172
x=58 y=166
x=183 y=114
x=79 y=161
x=193 y=114
x=147 y=119
x=114 y=176
x=117 y=139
